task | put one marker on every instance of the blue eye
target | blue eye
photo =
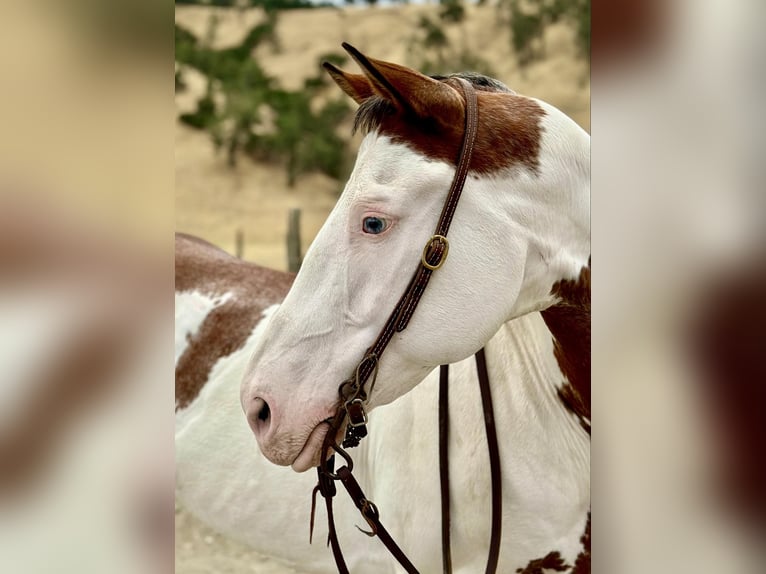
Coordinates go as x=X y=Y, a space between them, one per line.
x=374 y=225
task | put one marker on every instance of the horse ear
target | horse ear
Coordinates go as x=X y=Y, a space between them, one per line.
x=409 y=90
x=355 y=85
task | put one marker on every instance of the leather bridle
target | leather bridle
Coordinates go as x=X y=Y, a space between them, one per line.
x=354 y=395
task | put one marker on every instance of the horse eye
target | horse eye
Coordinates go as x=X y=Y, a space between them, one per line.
x=374 y=225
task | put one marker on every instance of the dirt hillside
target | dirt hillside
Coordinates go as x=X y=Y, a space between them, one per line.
x=214 y=201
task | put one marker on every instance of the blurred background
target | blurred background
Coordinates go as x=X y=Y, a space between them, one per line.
x=263 y=136
x=97 y=146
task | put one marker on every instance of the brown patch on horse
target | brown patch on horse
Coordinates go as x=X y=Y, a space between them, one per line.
x=551 y=561
x=427 y=113
x=200 y=266
x=509 y=133
x=572 y=400
x=569 y=322
x=582 y=562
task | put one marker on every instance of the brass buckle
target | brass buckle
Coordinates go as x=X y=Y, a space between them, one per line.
x=442 y=240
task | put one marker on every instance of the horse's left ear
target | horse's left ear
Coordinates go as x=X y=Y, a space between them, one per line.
x=355 y=85
x=409 y=90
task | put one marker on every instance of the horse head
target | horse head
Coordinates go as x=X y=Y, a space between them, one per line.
x=522 y=225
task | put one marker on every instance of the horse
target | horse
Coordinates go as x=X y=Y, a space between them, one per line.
x=516 y=282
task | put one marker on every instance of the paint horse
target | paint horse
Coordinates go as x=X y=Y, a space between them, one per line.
x=517 y=282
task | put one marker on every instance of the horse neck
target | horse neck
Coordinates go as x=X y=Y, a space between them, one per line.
x=544 y=446
x=544 y=451
x=541 y=363
x=527 y=382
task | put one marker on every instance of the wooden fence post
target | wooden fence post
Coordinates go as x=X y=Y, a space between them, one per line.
x=294 y=257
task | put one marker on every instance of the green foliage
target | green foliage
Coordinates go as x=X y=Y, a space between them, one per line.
x=305 y=139
x=266 y=4
x=374 y=2
x=244 y=110
x=204 y=116
x=434 y=36
x=336 y=58
x=225 y=65
x=525 y=29
x=582 y=21
x=452 y=11
x=180 y=83
x=529 y=19
x=208 y=2
x=436 y=54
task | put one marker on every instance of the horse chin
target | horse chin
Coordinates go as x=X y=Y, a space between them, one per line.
x=312 y=451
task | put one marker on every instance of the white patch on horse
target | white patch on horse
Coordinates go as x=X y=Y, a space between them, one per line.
x=228 y=368
x=192 y=308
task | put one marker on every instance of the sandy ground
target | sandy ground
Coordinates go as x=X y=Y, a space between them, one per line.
x=200 y=550
x=214 y=201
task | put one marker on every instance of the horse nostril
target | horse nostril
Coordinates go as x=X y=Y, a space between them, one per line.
x=263 y=414
x=260 y=417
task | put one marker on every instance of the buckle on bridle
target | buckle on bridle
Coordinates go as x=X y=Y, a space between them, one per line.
x=370 y=513
x=357 y=416
x=357 y=423
x=435 y=239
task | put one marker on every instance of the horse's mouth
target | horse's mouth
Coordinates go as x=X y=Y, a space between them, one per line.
x=310 y=454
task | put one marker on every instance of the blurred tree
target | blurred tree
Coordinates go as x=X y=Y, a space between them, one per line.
x=529 y=19
x=180 y=83
x=244 y=110
x=432 y=45
x=452 y=10
x=266 y=4
x=434 y=38
x=305 y=139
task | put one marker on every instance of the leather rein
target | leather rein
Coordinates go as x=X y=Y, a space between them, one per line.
x=354 y=395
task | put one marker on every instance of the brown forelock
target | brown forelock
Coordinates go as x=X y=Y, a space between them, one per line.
x=569 y=322
x=200 y=266
x=509 y=133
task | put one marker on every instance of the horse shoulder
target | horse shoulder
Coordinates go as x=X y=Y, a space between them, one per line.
x=220 y=300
